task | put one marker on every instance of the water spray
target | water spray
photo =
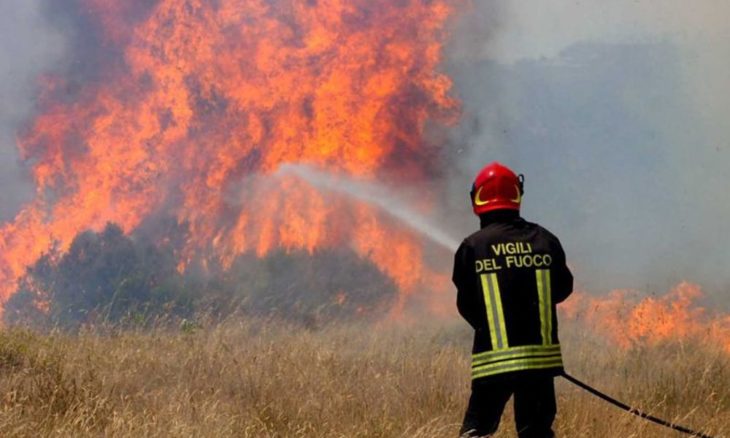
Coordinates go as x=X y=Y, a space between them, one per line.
x=372 y=194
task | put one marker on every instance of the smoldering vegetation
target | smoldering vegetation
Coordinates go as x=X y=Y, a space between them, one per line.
x=107 y=278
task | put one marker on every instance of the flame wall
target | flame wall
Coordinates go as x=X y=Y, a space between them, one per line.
x=194 y=98
x=630 y=318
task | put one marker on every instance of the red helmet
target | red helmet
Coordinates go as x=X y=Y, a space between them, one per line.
x=496 y=187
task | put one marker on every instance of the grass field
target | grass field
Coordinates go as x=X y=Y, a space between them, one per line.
x=262 y=379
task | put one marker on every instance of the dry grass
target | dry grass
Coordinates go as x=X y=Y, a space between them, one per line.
x=266 y=380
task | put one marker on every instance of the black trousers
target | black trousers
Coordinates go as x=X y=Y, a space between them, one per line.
x=534 y=406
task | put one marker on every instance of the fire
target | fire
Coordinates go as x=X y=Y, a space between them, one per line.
x=627 y=319
x=208 y=98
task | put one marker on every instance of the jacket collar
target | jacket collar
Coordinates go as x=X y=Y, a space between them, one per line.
x=498 y=216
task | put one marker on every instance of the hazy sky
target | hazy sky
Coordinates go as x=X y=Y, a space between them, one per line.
x=616 y=113
x=614 y=110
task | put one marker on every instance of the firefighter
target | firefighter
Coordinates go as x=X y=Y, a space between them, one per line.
x=509 y=276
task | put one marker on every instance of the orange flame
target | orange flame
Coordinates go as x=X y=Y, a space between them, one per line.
x=210 y=93
x=627 y=319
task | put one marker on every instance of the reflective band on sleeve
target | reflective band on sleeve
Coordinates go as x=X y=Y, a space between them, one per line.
x=546 y=306
x=495 y=315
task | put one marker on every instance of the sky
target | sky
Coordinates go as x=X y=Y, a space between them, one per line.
x=615 y=112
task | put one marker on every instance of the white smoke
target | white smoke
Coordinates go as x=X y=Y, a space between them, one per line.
x=28 y=47
x=530 y=31
x=615 y=111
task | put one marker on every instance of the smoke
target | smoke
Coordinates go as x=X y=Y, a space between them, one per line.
x=615 y=113
x=28 y=48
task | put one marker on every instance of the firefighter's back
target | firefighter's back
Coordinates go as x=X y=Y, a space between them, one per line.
x=519 y=275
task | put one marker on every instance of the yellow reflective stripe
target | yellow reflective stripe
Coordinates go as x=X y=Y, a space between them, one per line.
x=541 y=298
x=495 y=314
x=491 y=314
x=517 y=365
x=515 y=353
x=522 y=349
x=500 y=313
x=546 y=306
x=521 y=361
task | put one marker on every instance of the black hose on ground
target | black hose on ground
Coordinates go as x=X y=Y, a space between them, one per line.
x=631 y=410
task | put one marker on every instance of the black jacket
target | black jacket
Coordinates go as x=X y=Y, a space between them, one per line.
x=509 y=276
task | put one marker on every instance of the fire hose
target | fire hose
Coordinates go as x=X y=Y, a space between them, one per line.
x=632 y=410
